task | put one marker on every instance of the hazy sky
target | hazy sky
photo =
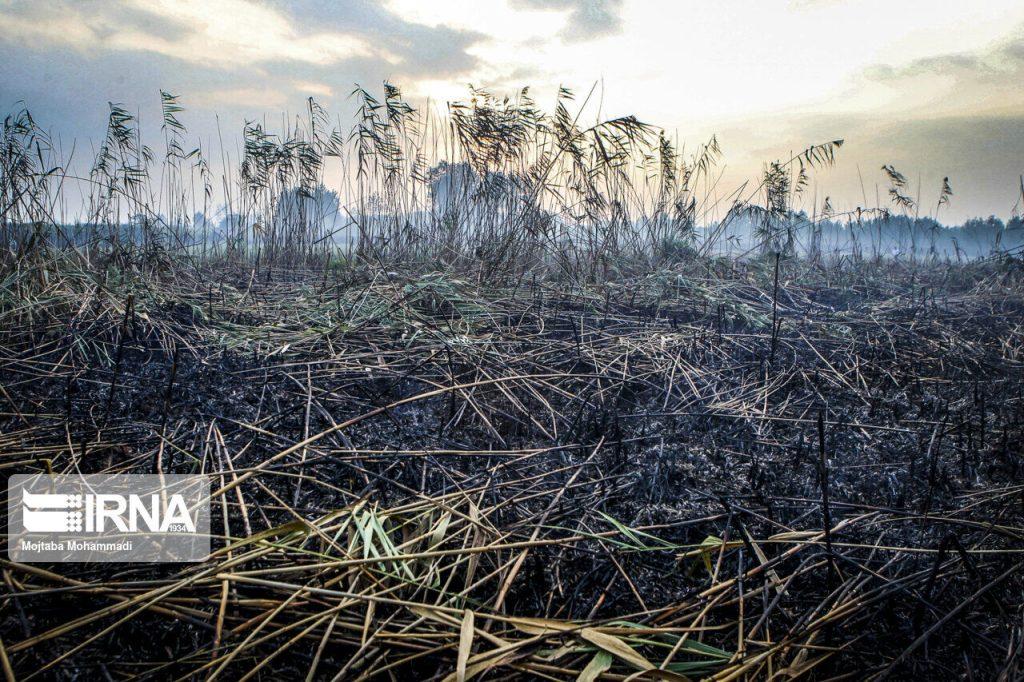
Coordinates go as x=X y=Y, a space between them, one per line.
x=934 y=88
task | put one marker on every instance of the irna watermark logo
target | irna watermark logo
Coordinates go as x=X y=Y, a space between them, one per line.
x=108 y=518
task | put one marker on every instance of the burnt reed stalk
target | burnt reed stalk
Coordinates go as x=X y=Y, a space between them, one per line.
x=122 y=338
x=166 y=409
x=826 y=507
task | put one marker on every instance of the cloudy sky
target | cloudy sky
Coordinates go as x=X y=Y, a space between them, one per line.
x=934 y=87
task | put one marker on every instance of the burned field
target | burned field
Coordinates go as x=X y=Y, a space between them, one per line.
x=701 y=471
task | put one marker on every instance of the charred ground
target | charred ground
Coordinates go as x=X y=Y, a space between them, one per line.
x=412 y=468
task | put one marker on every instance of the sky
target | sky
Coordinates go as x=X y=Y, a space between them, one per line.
x=933 y=88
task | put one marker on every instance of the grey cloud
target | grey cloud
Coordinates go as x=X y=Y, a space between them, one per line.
x=68 y=91
x=588 y=19
x=101 y=19
x=67 y=84
x=1000 y=60
x=1012 y=52
x=434 y=50
x=136 y=19
x=439 y=51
